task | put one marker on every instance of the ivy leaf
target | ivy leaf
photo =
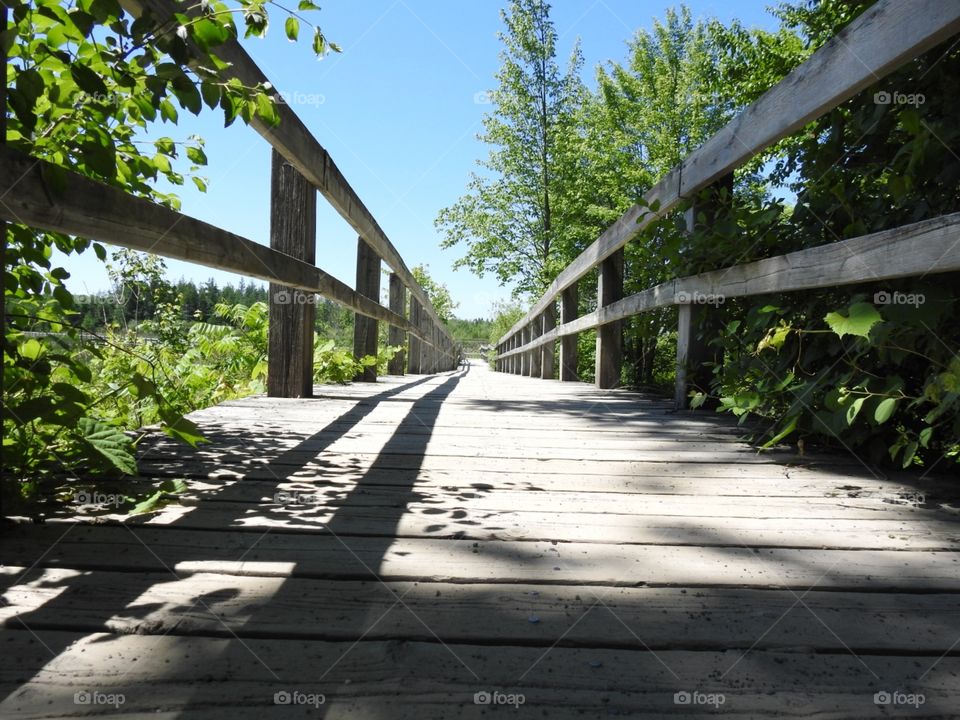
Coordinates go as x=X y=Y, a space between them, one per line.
x=860 y=320
x=110 y=442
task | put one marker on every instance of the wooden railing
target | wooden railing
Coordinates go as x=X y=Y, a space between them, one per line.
x=885 y=37
x=300 y=167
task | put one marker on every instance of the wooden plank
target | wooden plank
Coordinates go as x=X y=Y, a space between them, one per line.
x=884 y=37
x=293 y=231
x=365 y=330
x=549 y=350
x=168 y=548
x=534 y=368
x=395 y=335
x=569 y=310
x=311 y=510
x=223 y=678
x=609 y=353
x=413 y=352
x=670 y=618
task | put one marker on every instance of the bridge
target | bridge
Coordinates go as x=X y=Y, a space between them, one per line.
x=455 y=540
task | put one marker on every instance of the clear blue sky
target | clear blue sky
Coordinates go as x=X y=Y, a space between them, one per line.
x=396 y=111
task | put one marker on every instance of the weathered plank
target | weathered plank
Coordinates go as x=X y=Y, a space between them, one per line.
x=380 y=679
x=307 y=609
x=419 y=559
x=293 y=231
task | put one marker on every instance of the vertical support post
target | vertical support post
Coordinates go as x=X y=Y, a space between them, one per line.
x=693 y=319
x=413 y=351
x=547 y=351
x=396 y=337
x=424 y=345
x=687 y=318
x=524 y=356
x=536 y=327
x=568 y=343
x=609 y=336
x=365 y=329
x=293 y=230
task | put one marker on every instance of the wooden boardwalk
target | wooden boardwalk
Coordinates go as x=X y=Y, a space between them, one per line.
x=416 y=547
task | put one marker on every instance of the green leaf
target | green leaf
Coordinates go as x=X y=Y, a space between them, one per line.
x=885 y=410
x=210 y=92
x=110 y=442
x=196 y=155
x=861 y=318
x=32 y=349
x=292 y=28
x=307 y=5
x=200 y=183
x=319 y=42
x=854 y=409
x=786 y=430
x=87 y=79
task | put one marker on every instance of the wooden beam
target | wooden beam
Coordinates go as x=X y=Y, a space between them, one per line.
x=395 y=335
x=569 y=310
x=695 y=322
x=77 y=205
x=535 y=330
x=922 y=248
x=547 y=357
x=413 y=351
x=365 y=330
x=293 y=231
x=884 y=37
x=610 y=336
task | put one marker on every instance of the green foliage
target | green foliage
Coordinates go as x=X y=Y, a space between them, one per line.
x=438 y=293
x=87 y=84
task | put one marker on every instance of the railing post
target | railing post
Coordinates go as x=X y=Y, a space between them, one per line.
x=693 y=319
x=568 y=343
x=536 y=327
x=547 y=351
x=609 y=336
x=293 y=230
x=396 y=336
x=424 y=344
x=413 y=352
x=524 y=356
x=364 y=328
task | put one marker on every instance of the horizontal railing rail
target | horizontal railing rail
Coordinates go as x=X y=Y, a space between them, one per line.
x=301 y=167
x=882 y=39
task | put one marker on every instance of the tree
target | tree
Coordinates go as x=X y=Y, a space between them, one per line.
x=508 y=220
x=438 y=293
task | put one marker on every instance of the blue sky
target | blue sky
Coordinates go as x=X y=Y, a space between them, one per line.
x=397 y=112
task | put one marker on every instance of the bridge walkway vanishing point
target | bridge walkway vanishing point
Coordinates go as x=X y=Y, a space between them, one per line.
x=413 y=547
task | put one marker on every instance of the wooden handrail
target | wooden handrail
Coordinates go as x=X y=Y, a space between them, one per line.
x=926 y=247
x=883 y=38
x=880 y=40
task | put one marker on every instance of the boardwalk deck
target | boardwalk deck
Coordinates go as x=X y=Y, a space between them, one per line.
x=400 y=547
